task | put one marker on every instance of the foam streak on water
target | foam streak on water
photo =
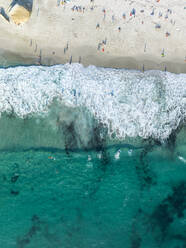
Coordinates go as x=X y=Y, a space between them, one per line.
x=129 y=103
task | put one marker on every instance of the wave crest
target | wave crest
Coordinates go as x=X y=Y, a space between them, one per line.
x=128 y=103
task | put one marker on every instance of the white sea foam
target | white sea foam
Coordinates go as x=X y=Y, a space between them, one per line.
x=129 y=103
x=117 y=155
x=182 y=159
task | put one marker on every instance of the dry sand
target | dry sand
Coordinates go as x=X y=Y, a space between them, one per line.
x=58 y=33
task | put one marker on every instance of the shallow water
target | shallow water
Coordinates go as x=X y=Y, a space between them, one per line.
x=92 y=157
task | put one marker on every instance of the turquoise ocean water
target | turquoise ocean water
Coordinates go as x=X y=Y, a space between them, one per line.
x=92 y=157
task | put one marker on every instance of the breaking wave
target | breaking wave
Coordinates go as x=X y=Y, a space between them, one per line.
x=127 y=103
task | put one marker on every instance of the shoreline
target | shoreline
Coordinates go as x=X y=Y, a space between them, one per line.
x=115 y=63
x=58 y=35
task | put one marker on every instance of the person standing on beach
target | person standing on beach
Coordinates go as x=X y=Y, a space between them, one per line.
x=97 y=26
x=104 y=11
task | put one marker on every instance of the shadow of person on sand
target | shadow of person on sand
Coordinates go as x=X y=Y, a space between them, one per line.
x=3 y=13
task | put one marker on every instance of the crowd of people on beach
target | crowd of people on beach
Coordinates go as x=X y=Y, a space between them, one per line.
x=127 y=16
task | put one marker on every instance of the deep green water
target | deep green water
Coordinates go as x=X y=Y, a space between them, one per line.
x=92 y=199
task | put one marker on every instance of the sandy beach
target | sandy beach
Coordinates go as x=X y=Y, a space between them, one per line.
x=135 y=34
